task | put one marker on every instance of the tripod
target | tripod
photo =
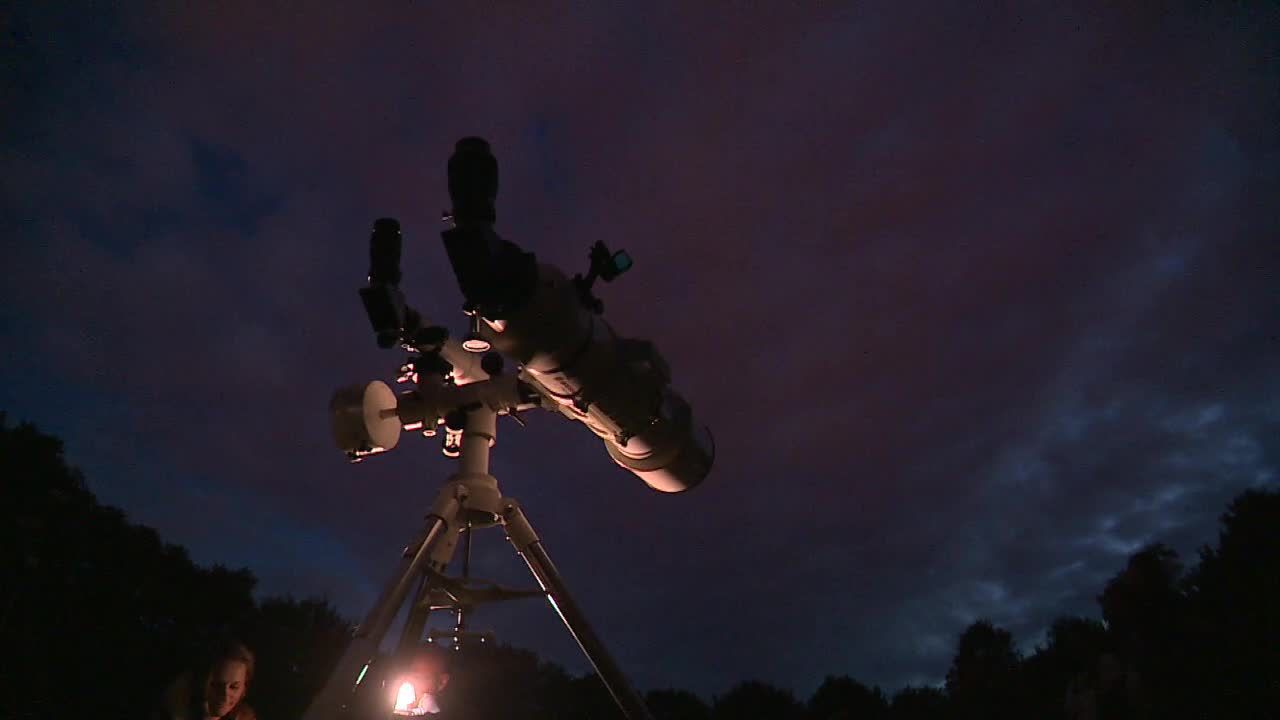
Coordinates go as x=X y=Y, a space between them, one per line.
x=470 y=499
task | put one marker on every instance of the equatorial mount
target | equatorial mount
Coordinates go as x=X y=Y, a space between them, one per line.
x=470 y=500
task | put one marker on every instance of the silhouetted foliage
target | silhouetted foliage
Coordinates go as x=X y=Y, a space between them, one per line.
x=676 y=705
x=1234 y=599
x=981 y=679
x=523 y=678
x=581 y=698
x=297 y=643
x=86 y=595
x=754 y=700
x=1141 y=603
x=495 y=682
x=1073 y=646
x=919 y=703
x=1074 y=643
x=843 y=697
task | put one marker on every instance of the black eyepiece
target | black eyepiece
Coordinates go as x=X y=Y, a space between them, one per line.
x=473 y=182
x=384 y=252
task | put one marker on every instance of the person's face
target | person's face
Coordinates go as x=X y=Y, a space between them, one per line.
x=428 y=676
x=226 y=687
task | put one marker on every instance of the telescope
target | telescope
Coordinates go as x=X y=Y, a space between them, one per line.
x=566 y=359
x=569 y=359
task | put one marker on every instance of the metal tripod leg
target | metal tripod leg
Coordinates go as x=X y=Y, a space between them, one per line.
x=333 y=698
x=530 y=548
x=419 y=610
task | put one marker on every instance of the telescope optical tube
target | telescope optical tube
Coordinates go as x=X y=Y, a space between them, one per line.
x=616 y=386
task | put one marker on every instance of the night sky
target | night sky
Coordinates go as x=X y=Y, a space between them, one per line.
x=975 y=302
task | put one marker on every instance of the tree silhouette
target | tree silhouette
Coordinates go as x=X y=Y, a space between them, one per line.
x=676 y=705
x=1145 y=609
x=1053 y=677
x=88 y=596
x=297 y=643
x=981 y=679
x=1234 y=595
x=88 y=590
x=843 y=697
x=1074 y=642
x=1141 y=602
x=919 y=703
x=580 y=698
x=755 y=700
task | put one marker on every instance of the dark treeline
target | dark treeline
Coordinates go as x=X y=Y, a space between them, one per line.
x=98 y=615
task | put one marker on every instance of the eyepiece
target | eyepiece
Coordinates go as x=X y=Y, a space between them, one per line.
x=384 y=252
x=382 y=300
x=473 y=182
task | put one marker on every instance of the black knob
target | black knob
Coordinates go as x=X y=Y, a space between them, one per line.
x=492 y=363
x=455 y=420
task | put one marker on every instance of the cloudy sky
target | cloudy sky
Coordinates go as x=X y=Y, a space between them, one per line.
x=976 y=302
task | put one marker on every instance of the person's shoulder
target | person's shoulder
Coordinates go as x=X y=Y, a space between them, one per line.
x=244 y=711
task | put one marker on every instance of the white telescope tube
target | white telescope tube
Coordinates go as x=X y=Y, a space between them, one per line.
x=618 y=387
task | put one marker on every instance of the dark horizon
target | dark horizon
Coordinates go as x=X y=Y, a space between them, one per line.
x=1175 y=640
x=976 y=305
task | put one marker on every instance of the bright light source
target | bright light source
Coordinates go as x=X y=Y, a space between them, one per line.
x=476 y=344
x=406 y=697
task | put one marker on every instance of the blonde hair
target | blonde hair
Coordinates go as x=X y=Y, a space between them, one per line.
x=184 y=700
x=229 y=651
